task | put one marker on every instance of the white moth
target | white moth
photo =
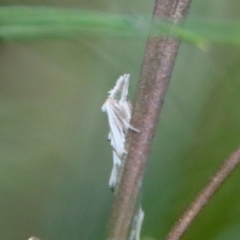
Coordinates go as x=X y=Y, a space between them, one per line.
x=118 y=110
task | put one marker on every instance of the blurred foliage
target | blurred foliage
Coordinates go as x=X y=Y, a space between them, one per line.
x=55 y=160
x=27 y=23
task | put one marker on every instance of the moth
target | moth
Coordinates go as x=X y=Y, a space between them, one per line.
x=118 y=109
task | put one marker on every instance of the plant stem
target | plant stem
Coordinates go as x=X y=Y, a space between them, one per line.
x=204 y=196
x=156 y=71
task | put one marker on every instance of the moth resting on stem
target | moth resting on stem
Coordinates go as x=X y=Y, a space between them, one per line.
x=119 y=109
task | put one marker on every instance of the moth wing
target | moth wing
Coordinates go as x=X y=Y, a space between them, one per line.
x=126 y=109
x=116 y=134
x=125 y=85
x=114 y=173
x=109 y=137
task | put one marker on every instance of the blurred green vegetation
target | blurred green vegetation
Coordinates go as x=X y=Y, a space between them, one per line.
x=55 y=160
x=24 y=23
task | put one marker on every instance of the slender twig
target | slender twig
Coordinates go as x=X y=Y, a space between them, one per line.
x=156 y=71
x=204 y=196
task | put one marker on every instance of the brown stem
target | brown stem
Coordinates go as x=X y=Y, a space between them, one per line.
x=204 y=196
x=156 y=71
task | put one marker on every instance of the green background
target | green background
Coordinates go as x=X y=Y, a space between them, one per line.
x=55 y=161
